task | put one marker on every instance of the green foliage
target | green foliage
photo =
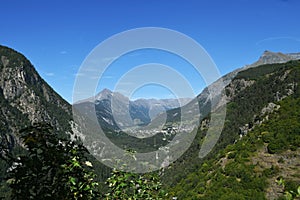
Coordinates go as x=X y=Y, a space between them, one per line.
x=127 y=185
x=291 y=189
x=231 y=155
x=80 y=181
x=260 y=71
x=284 y=128
x=230 y=173
x=270 y=172
x=52 y=168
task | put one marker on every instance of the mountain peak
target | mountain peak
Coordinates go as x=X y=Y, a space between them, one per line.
x=106 y=91
x=104 y=94
x=269 y=57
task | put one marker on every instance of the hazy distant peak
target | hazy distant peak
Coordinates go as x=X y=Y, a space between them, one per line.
x=104 y=94
x=106 y=91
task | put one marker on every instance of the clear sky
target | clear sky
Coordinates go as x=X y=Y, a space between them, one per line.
x=56 y=36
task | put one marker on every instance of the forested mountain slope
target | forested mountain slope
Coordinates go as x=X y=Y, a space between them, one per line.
x=259 y=144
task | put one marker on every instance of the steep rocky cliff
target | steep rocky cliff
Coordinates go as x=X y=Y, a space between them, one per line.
x=26 y=98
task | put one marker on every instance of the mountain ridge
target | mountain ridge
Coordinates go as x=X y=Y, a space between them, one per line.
x=23 y=88
x=141 y=111
x=107 y=93
x=269 y=57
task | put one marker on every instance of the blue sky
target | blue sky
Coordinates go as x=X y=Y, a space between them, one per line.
x=57 y=35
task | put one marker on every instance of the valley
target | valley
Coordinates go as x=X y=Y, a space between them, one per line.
x=150 y=100
x=258 y=146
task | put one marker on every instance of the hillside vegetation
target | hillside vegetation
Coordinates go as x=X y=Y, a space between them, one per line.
x=259 y=144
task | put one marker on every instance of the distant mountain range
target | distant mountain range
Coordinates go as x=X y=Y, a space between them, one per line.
x=214 y=90
x=116 y=110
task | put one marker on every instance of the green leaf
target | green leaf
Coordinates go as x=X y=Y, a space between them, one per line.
x=72 y=180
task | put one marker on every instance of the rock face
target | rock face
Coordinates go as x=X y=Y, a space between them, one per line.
x=26 y=98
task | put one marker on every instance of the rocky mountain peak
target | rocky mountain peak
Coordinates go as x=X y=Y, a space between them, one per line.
x=104 y=94
x=269 y=57
x=107 y=94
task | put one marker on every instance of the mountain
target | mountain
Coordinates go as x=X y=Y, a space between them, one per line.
x=156 y=106
x=186 y=118
x=269 y=57
x=115 y=110
x=259 y=144
x=214 y=90
x=25 y=99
